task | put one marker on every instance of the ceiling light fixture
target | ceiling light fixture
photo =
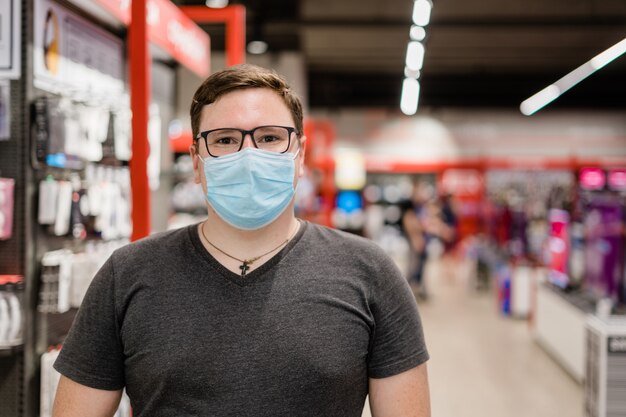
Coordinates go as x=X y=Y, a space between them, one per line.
x=415 y=56
x=417 y=33
x=609 y=55
x=257 y=47
x=421 y=12
x=216 y=4
x=409 y=73
x=544 y=97
x=410 y=96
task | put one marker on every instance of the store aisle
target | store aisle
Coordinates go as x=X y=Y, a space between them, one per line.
x=483 y=364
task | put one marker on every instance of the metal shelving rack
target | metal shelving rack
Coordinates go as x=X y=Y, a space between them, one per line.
x=16 y=254
x=21 y=255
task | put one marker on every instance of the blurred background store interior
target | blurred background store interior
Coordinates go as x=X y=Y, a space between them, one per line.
x=521 y=207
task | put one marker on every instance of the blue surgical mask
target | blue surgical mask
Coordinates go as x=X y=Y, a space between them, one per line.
x=249 y=189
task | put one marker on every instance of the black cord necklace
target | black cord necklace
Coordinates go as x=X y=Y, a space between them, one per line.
x=245 y=263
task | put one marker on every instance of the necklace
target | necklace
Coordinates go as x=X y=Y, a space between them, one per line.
x=245 y=263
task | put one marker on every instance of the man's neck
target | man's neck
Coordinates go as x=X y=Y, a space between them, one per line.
x=246 y=244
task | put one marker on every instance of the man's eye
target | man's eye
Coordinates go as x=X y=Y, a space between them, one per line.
x=268 y=139
x=225 y=140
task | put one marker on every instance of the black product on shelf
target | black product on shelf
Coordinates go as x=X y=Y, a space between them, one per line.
x=108 y=146
x=78 y=217
x=40 y=129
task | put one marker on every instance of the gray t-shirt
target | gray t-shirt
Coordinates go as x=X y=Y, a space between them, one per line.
x=299 y=336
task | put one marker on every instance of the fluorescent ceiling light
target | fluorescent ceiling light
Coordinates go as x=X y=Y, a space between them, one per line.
x=536 y=102
x=417 y=33
x=257 y=47
x=539 y=100
x=415 y=55
x=421 y=12
x=216 y=4
x=410 y=96
x=409 y=73
x=609 y=55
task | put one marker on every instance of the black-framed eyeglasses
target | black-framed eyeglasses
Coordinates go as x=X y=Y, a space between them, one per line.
x=224 y=141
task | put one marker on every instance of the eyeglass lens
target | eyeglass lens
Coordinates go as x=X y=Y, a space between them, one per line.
x=225 y=141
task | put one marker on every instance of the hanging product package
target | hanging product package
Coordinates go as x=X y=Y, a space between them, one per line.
x=48 y=193
x=40 y=130
x=7 y=186
x=84 y=268
x=63 y=209
x=122 y=134
x=49 y=382
x=5 y=116
x=95 y=125
x=60 y=126
x=5 y=320
x=57 y=133
x=56 y=278
x=11 y=294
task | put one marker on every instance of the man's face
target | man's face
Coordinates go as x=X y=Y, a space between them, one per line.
x=246 y=109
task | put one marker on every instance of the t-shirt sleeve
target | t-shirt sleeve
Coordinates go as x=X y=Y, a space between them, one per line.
x=92 y=353
x=398 y=339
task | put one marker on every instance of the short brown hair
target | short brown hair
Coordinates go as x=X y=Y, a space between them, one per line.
x=240 y=77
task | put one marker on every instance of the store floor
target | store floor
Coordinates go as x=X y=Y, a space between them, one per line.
x=483 y=364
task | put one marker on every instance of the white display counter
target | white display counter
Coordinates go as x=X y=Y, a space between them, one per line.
x=560 y=323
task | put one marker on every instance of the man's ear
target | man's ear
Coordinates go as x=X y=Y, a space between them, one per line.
x=193 y=151
x=301 y=155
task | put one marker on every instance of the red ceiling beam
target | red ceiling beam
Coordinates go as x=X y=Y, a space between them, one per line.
x=234 y=17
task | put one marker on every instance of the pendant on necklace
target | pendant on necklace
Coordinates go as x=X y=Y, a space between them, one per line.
x=244 y=268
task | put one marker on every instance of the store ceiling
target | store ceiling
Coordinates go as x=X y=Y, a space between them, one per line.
x=479 y=53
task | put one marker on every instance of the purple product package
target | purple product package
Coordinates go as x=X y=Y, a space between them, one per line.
x=604 y=251
x=7 y=186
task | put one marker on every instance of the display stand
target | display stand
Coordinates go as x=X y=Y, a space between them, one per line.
x=560 y=323
x=524 y=279
x=16 y=254
x=605 y=382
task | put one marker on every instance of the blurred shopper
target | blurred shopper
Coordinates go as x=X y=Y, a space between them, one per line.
x=448 y=235
x=448 y=229
x=414 y=227
x=430 y=226
x=251 y=312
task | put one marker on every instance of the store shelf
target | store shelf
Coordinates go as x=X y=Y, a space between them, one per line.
x=11 y=349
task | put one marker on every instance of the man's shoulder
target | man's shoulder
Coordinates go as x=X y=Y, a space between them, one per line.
x=154 y=248
x=323 y=237
x=340 y=253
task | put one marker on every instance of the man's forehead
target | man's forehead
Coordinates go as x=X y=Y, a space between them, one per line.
x=240 y=105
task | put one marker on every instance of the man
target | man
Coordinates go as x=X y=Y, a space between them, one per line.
x=252 y=312
x=414 y=227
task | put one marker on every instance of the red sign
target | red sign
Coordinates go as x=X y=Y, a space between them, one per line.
x=617 y=179
x=170 y=29
x=173 y=31
x=592 y=179
x=462 y=182
x=119 y=8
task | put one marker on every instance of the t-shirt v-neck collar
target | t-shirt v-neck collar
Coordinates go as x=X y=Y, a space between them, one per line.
x=253 y=276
